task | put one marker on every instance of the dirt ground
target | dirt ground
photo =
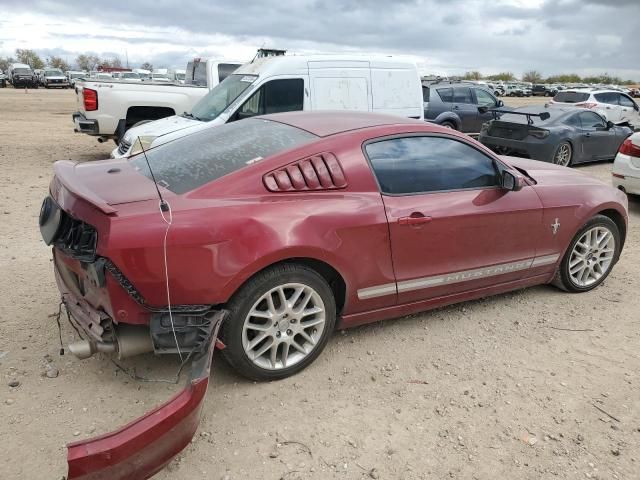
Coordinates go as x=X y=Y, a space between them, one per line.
x=512 y=386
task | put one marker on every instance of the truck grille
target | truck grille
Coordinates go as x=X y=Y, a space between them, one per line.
x=123 y=147
x=77 y=239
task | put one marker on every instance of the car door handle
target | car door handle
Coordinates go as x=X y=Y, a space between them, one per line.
x=587 y=134
x=456 y=107
x=414 y=219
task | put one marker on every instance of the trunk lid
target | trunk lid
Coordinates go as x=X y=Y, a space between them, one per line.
x=105 y=184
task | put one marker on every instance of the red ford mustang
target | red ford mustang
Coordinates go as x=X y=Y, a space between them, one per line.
x=293 y=223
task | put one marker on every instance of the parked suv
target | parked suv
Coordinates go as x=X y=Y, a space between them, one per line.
x=614 y=105
x=455 y=105
x=54 y=78
x=544 y=90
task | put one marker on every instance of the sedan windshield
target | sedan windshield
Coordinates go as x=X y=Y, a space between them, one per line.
x=219 y=98
x=194 y=160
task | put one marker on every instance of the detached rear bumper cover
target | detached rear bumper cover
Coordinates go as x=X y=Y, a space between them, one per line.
x=144 y=446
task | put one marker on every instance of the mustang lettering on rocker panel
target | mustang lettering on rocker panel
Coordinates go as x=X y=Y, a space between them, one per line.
x=455 y=277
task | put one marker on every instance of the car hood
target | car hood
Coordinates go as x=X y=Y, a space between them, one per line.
x=105 y=183
x=545 y=173
x=161 y=127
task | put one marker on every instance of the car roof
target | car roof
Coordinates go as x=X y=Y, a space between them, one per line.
x=592 y=90
x=327 y=122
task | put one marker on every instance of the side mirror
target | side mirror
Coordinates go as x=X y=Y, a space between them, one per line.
x=483 y=109
x=500 y=103
x=610 y=125
x=512 y=181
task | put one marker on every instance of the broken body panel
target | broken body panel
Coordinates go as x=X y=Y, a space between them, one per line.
x=144 y=446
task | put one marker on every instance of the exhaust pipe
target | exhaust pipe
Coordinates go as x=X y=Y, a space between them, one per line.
x=130 y=341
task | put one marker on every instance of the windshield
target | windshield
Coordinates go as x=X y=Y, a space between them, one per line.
x=194 y=160
x=22 y=71
x=221 y=96
x=130 y=75
x=180 y=76
x=159 y=75
x=53 y=73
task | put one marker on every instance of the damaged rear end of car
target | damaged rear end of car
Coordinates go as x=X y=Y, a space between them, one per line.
x=85 y=222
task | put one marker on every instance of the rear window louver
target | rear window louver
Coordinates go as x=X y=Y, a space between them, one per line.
x=316 y=173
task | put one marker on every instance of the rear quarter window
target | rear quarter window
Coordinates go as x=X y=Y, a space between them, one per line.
x=202 y=157
x=571 y=97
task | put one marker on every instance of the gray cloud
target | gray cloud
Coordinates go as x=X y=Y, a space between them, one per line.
x=491 y=35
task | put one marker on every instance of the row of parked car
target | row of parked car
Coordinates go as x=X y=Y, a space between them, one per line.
x=23 y=76
x=576 y=125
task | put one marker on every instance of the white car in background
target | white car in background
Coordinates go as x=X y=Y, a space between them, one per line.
x=626 y=166
x=615 y=106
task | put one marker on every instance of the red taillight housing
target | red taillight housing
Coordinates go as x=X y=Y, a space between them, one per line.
x=628 y=148
x=90 y=98
x=586 y=105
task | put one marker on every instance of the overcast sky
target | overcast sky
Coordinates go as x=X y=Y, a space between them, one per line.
x=444 y=36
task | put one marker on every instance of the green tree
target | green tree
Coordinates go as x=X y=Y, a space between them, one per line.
x=87 y=62
x=475 y=75
x=565 y=78
x=58 y=62
x=532 y=76
x=30 y=57
x=504 y=76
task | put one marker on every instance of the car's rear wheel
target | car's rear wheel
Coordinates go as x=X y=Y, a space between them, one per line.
x=563 y=154
x=279 y=322
x=448 y=124
x=590 y=256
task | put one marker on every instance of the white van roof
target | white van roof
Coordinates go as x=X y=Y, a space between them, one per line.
x=292 y=64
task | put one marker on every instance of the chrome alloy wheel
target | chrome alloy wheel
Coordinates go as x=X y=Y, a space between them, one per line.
x=283 y=326
x=563 y=155
x=592 y=256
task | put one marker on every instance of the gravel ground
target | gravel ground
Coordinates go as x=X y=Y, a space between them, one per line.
x=495 y=388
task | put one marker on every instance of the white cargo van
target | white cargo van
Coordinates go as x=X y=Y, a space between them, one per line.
x=290 y=83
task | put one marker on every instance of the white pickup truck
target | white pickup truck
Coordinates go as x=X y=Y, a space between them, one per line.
x=108 y=108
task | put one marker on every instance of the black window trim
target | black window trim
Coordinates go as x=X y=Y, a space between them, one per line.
x=497 y=163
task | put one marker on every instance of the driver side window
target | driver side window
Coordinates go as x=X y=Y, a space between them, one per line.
x=484 y=98
x=286 y=95
x=591 y=120
x=424 y=164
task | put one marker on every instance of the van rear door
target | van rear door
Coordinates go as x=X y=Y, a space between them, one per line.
x=340 y=85
x=396 y=89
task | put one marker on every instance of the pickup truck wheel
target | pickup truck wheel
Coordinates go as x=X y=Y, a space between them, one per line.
x=279 y=322
x=590 y=256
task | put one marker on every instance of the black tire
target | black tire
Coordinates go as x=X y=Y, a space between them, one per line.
x=563 y=278
x=559 y=157
x=448 y=124
x=244 y=300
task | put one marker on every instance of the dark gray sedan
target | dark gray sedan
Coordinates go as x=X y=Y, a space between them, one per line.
x=564 y=136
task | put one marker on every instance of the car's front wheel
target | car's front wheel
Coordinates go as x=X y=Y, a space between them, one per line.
x=279 y=322
x=590 y=256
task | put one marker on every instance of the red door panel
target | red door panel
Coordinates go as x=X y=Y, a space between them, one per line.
x=449 y=242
